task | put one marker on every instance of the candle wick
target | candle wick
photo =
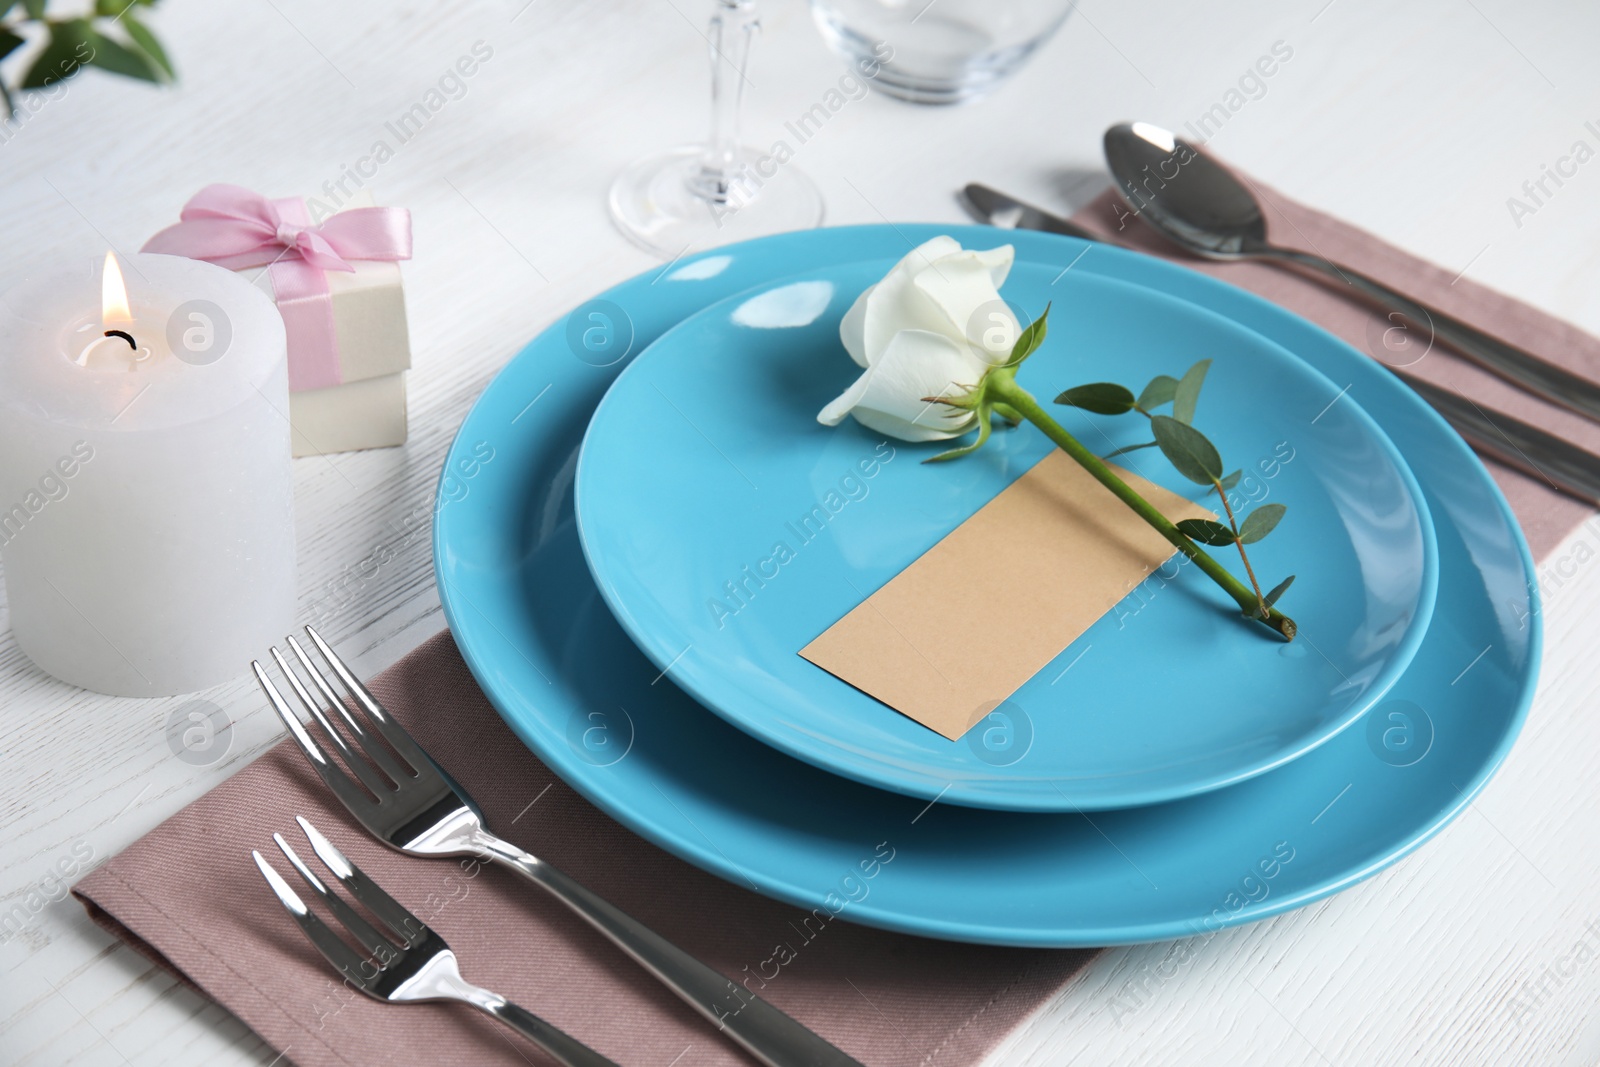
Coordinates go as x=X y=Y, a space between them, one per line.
x=128 y=337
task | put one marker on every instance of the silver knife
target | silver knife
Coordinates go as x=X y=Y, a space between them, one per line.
x=997 y=209
x=1533 y=451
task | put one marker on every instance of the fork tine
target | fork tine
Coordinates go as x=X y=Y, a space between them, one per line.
x=370 y=893
x=343 y=788
x=375 y=752
x=383 y=951
x=392 y=731
x=335 y=951
x=354 y=762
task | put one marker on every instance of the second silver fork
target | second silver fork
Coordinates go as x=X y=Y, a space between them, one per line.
x=405 y=962
x=412 y=805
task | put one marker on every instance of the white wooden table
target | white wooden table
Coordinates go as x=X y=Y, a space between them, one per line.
x=1416 y=120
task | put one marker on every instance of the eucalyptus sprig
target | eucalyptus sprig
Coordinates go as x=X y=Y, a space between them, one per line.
x=109 y=36
x=997 y=393
x=1194 y=456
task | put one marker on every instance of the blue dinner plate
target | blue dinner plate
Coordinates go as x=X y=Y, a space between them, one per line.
x=539 y=638
x=727 y=528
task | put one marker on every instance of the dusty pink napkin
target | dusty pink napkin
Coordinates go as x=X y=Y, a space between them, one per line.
x=188 y=896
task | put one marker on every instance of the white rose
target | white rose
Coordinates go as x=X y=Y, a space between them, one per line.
x=931 y=327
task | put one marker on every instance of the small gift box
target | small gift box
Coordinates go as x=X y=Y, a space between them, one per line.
x=336 y=281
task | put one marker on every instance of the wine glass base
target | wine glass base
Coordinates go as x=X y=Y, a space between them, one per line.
x=663 y=203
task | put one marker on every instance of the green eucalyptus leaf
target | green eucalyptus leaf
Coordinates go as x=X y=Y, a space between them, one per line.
x=1187 y=449
x=141 y=36
x=1187 y=392
x=1031 y=339
x=1102 y=398
x=66 y=50
x=1129 y=448
x=1206 y=531
x=1161 y=390
x=1231 y=480
x=1278 y=590
x=116 y=57
x=1260 y=522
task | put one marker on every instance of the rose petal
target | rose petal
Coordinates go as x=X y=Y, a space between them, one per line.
x=853 y=328
x=897 y=304
x=962 y=288
x=888 y=397
x=998 y=260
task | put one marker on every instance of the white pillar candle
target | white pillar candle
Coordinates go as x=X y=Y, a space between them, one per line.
x=146 y=493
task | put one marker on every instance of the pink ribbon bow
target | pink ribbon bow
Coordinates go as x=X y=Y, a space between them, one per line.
x=236 y=228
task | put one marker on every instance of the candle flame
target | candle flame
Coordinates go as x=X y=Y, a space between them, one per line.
x=114 y=311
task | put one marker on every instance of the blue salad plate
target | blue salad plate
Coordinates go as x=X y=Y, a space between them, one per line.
x=542 y=641
x=726 y=529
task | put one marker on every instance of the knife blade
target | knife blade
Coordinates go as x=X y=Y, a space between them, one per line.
x=1008 y=213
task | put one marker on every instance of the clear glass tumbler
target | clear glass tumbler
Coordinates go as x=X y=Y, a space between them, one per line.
x=937 y=51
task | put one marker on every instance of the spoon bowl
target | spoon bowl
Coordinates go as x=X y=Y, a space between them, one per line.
x=1185 y=195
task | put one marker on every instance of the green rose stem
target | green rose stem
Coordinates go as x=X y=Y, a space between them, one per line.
x=999 y=389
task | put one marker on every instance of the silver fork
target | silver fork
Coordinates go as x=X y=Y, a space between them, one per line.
x=418 y=809
x=407 y=963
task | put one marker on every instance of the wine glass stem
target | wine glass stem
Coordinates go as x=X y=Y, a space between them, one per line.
x=733 y=28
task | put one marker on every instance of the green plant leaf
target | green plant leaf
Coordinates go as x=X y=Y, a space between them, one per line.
x=1129 y=448
x=1102 y=398
x=1206 y=532
x=1187 y=392
x=116 y=57
x=140 y=34
x=1031 y=339
x=62 y=56
x=1260 y=522
x=1187 y=449
x=1231 y=480
x=1161 y=390
x=1278 y=590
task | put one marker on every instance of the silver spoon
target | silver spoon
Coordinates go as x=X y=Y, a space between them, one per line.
x=1197 y=204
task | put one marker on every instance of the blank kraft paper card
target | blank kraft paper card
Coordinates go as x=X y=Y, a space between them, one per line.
x=962 y=628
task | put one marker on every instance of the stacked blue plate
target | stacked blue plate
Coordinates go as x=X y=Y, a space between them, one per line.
x=635 y=466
